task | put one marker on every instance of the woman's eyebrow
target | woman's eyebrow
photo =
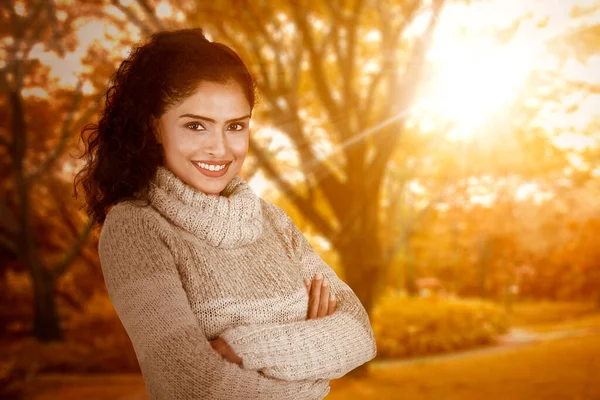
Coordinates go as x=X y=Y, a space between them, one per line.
x=212 y=120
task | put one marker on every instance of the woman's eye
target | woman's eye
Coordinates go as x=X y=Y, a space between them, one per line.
x=236 y=126
x=196 y=127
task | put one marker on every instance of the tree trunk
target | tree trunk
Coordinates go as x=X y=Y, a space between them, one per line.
x=362 y=261
x=361 y=255
x=360 y=273
x=46 y=326
x=410 y=273
x=485 y=256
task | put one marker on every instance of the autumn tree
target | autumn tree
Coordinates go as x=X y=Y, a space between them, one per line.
x=39 y=120
x=340 y=74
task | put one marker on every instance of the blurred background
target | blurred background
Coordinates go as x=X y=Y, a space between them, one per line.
x=441 y=155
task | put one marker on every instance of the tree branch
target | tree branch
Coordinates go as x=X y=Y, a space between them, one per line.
x=335 y=192
x=348 y=70
x=68 y=298
x=406 y=95
x=151 y=13
x=7 y=243
x=289 y=123
x=62 y=142
x=7 y=217
x=321 y=85
x=132 y=17
x=5 y=142
x=287 y=189
x=389 y=66
x=68 y=259
x=265 y=84
x=334 y=35
x=409 y=227
x=370 y=98
x=56 y=35
x=266 y=13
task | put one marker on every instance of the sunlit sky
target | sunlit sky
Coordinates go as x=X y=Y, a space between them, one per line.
x=475 y=76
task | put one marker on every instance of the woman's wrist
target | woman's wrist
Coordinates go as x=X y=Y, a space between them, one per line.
x=221 y=346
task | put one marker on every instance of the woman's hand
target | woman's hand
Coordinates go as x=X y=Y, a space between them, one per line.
x=223 y=348
x=320 y=304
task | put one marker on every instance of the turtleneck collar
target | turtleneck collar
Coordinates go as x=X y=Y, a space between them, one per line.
x=230 y=219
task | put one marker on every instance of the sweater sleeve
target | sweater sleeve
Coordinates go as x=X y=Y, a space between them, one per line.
x=323 y=348
x=138 y=261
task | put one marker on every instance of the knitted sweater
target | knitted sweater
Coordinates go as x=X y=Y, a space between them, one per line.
x=196 y=266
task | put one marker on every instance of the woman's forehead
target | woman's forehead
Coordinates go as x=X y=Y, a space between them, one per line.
x=215 y=100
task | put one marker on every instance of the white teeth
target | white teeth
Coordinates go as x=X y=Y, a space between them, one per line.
x=211 y=167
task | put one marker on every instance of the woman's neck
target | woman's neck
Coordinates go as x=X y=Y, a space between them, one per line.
x=230 y=219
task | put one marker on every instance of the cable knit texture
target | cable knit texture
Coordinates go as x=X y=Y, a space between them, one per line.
x=193 y=267
x=230 y=220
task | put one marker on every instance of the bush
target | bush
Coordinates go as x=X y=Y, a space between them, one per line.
x=406 y=327
x=18 y=370
x=94 y=342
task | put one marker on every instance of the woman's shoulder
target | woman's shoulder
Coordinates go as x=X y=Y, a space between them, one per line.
x=279 y=220
x=274 y=214
x=134 y=217
x=130 y=212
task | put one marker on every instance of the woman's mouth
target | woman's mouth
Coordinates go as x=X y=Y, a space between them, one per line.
x=212 y=170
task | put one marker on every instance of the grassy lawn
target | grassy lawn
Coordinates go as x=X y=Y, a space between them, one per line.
x=560 y=369
x=550 y=316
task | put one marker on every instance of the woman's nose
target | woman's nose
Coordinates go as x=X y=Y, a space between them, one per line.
x=216 y=144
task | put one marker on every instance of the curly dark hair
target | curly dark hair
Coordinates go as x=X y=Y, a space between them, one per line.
x=122 y=152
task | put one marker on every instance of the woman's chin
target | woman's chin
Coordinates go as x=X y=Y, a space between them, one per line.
x=212 y=186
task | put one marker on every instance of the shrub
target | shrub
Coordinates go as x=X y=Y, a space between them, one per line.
x=406 y=327
x=95 y=342
x=18 y=370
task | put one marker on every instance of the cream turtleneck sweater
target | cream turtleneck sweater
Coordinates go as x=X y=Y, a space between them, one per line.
x=193 y=266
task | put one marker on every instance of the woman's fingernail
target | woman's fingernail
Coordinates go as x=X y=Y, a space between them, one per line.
x=319 y=276
x=332 y=297
x=325 y=282
x=306 y=282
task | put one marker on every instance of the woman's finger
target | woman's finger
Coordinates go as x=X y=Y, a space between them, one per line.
x=332 y=304
x=315 y=296
x=324 y=299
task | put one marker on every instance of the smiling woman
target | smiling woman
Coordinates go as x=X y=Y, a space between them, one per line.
x=205 y=137
x=176 y=101
x=207 y=278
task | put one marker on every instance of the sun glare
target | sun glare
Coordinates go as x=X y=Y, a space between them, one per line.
x=474 y=77
x=471 y=86
x=164 y=10
x=474 y=74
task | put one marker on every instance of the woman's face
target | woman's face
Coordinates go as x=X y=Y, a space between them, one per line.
x=205 y=137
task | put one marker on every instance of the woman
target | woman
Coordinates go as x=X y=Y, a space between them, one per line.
x=207 y=277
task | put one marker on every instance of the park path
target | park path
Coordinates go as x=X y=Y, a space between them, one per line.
x=131 y=386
